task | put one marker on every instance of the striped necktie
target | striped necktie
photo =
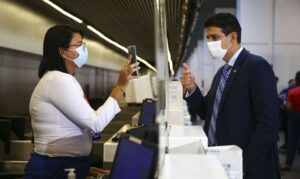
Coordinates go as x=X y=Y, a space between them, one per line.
x=212 y=125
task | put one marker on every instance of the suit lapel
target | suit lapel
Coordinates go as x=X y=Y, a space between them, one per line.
x=232 y=76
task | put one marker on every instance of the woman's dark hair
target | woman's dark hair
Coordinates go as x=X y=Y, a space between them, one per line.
x=227 y=22
x=58 y=36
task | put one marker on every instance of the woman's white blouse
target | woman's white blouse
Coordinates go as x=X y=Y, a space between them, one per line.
x=62 y=120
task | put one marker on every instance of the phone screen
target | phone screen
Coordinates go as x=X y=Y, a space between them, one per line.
x=132 y=52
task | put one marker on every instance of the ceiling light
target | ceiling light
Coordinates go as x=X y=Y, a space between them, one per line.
x=62 y=11
x=170 y=60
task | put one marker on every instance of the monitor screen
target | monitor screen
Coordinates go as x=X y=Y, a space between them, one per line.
x=147 y=115
x=133 y=160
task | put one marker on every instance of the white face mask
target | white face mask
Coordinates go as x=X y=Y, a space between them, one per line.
x=216 y=50
x=82 y=57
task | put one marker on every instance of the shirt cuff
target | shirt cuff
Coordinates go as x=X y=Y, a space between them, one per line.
x=187 y=94
x=115 y=104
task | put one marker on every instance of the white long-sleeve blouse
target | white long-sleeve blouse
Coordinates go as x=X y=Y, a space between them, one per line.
x=62 y=120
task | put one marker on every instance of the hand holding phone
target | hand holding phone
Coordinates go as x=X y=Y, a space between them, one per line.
x=132 y=53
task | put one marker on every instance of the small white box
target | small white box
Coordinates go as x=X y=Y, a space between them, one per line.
x=184 y=139
x=231 y=157
x=192 y=167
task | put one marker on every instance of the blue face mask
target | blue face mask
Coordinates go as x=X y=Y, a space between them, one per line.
x=82 y=57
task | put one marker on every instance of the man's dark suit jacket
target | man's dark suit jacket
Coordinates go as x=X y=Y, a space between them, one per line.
x=248 y=114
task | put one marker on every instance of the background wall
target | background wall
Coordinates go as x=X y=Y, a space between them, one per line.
x=272 y=32
x=18 y=77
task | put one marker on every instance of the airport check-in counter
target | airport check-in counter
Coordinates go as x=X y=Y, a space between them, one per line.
x=188 y=155
x=185 y=139
x=182 y=139
x=110 y=146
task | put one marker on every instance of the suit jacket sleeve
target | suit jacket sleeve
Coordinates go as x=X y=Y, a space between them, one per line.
x=197 y=103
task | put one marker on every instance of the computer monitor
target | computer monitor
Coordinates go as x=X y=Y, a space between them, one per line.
x=134 y=159
x=147 y=114
x=138 y=89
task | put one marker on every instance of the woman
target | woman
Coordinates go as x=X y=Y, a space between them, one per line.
x=62 y=120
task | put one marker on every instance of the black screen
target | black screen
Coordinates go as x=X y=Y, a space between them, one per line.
x=147 y=115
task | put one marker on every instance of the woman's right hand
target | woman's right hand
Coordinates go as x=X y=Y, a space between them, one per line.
x=126 y=73
x=124 y=77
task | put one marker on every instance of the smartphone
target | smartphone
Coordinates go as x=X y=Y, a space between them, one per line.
x=132 y=52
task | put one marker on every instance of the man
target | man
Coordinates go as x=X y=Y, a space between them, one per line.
x=293 y=105
x=283 y=96
x=241 y=107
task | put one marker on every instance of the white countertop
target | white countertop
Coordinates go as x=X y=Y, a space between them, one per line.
x=190 y=166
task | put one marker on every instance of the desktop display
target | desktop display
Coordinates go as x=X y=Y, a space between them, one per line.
x=134 y=160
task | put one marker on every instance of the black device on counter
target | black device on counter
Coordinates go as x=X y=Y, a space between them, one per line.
x=147 y=133
x=117 y=137
x=132 y=52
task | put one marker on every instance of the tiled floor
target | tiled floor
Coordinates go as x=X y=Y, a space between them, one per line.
x=295 y=172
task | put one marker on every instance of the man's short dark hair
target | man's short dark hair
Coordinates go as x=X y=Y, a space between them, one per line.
x=58 y=36
x=297 y=77
x=227 y=22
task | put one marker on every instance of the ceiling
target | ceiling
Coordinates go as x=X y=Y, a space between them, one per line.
x=131 y=22
x=128 y=22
